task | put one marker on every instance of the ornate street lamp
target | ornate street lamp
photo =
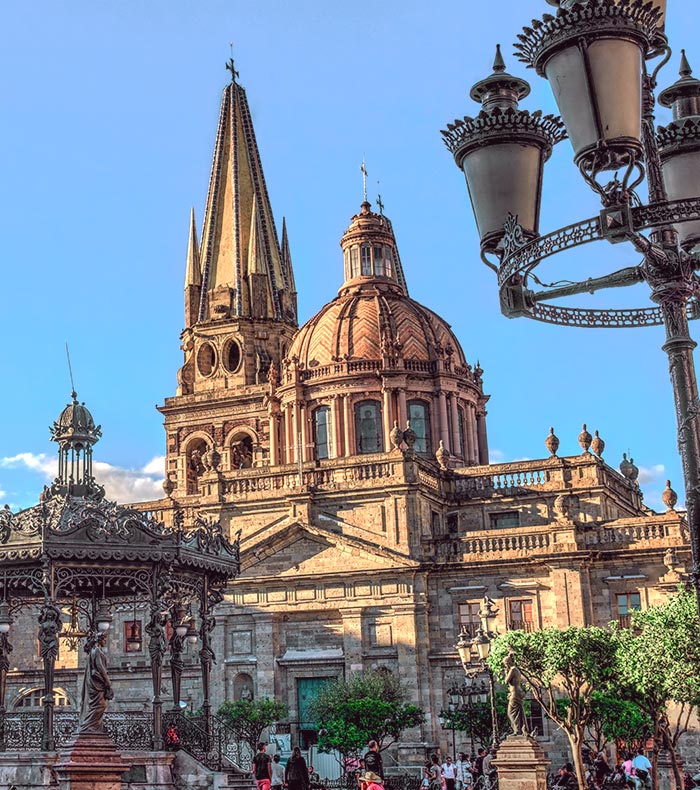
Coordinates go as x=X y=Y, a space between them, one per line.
x=596 y=55
x=473 y=654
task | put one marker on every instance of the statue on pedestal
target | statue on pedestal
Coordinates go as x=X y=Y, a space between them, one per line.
x=516 y=696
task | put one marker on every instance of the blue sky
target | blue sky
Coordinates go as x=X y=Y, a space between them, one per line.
x=110 y=111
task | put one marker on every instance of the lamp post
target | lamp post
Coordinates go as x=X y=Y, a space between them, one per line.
x=597 y=56
x=447 y=723
x=473 y=654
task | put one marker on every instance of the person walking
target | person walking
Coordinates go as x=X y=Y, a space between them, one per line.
x=434 y=773
x=373 y=760
x=463 y=769
x=449 y=773
x=478 y=767
x=277 y=773
x=642 y=770
x=262 y=768
x=371 y=781
x=296 y=774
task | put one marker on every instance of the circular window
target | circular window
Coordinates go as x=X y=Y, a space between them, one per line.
x=232 y=356
x=206 y=359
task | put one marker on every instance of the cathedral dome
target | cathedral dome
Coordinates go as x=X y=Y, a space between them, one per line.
x=373 y=318
x=372 y=322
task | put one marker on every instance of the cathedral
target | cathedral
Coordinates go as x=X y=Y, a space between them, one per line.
x=350 y=457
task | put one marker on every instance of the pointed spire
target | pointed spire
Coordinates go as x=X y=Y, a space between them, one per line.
x=685 y=70
x=193 y=269
x=287 y=268
x=193 y=276
x=498 y=62
x=238 y=207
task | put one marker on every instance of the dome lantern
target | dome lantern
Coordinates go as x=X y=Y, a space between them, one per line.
x=369 y=250
x=76 y=433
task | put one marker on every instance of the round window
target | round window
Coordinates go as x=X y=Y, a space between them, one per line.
x=206 y=359
x=232 y=356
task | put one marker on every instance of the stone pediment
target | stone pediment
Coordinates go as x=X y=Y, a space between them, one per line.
x=294 y=548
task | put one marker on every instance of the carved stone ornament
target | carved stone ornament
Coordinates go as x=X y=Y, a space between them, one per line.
x=442 y=456
x=669 y=497
x=552 y=443
x=625 y=466
x=585 y=439
x=598 y=445
x=396 y=435
x=409 y=436
x=168 y=486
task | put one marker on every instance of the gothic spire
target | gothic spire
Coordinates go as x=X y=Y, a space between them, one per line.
x=193 y=276
x=287 y=268
x=238 y=205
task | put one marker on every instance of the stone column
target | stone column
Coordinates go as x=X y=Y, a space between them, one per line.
x=350 y=426
x=475 y=439
x=468 y=436
x=386 y=418
x=306 y=448
x=444 y=425
x=456 y=447
x=435 y=424
x=481 y=434
x=352 y=638
x=403 y=411
x=265 y=654
x=274 y=440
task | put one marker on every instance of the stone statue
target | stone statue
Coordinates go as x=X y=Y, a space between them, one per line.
x=49 y=628
x=516 y=696
x=97 y=689
x=246 y=693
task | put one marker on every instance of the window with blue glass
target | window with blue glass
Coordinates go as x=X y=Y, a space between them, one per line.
x=419 y=417
x=368 y=427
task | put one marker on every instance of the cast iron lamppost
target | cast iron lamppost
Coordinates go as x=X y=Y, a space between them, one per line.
x=474 y=652
x=597 y=56
x=461 y=701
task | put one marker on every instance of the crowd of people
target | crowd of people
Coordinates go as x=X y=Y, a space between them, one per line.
x=460 y=774
x=633 y=772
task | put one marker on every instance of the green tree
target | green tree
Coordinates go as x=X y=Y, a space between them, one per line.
x=567 y=665
x=248 y=718
x=475 y=720
x=658 y=662
x=619 y=720
x=366 y=706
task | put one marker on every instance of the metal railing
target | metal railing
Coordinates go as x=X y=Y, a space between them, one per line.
x=216 y=746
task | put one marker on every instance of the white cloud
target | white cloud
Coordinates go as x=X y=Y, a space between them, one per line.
x=121 y=485
x=496 y=456
x=648 y=474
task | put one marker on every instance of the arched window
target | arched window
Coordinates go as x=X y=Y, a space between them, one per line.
x=368 y=427
x=322 y=431
x=195 y=467
x=35 y=699
x=419 y=417
x=354 y=262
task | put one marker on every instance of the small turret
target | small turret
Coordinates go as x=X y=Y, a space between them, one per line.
x=76 y=433
x=193 y=276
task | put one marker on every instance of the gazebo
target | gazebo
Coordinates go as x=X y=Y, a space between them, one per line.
x=76 y=551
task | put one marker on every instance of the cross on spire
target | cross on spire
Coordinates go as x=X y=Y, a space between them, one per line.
x=379 y=201
x=230 y=65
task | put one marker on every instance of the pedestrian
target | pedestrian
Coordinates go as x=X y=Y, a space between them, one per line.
x=566 y=777
x=371 y=781
x=434 y=773
x=277 y=773
x=463 y=767
x=642 y=770
x=478 y=767
x=314 y=778
x=296 y=774
x=262 y=768
x=449 y=773
x=601 y=769
x=628 y=768
x=490 y=754
x=373 y=760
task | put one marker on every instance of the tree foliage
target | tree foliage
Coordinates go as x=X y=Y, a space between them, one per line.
x=658 y=662
x=475 y=720
x=619 y=720
x=561 y=665
x=366 y=706
x=248 y=718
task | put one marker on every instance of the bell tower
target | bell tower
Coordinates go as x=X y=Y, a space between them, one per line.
x=240 y=312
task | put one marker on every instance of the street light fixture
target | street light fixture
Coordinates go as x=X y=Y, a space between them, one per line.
x=473 y=654
x=596 y=56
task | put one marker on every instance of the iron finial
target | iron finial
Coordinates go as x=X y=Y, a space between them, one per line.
x=685 y=70
x=363 y=170
x=498 y=62
x=73 y=393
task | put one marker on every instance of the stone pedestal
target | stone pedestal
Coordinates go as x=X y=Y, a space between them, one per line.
x=91 y=762
x=521 y=764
